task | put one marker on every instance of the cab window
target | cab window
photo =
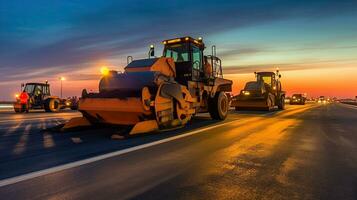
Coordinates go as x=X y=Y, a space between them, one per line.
x=29 y=89
x=38 y=90
x=267 y=79
x=46 y=90
x=196 y=58
x=177 y=52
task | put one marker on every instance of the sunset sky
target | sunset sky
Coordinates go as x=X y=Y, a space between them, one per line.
x=313 y=42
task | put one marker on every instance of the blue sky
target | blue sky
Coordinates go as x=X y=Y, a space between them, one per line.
x=42 y=40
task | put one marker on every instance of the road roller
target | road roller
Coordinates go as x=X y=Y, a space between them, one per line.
x=265 y=93
x=159 y=93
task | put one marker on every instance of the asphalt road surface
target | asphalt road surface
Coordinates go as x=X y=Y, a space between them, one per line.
x=303 y=152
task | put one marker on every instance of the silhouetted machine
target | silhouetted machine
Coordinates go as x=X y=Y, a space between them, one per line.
x=263 y=94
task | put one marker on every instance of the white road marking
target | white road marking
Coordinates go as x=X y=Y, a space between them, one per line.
x=59 y=168
x=21 y=144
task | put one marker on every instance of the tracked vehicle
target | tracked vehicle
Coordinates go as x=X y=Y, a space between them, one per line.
x=159 y=93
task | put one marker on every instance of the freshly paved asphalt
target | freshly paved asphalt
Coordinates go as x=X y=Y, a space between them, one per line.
x=303 y=152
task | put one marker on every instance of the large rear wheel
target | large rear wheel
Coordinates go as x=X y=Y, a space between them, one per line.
x=218 y=106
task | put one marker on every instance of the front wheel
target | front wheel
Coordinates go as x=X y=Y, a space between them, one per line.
x=52 y=105
x=218 y=106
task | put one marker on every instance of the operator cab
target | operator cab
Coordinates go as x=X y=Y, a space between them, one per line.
x=266 y=77
x=37 y=91
x=270 y=80
x=190 y=61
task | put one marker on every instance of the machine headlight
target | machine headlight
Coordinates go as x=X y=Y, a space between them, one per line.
x=246 y=92
x=104 y=71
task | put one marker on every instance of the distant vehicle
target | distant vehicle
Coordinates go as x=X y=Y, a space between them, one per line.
x=322 y=100
x=38 y=96
x=297 y=99
x=263 y=94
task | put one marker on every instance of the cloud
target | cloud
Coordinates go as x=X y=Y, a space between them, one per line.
x=307 y=65
x=50 y=38
x=123 y=27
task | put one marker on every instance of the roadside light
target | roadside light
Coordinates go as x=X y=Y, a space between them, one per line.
x=200 y=38
x=61 y=79
x=104 y=71
x=151 y=46
x=17 y=96
x=187 y=38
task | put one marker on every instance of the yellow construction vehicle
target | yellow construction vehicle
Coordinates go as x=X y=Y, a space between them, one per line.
x=38 y=96
x=263 y=94
x=159 y=93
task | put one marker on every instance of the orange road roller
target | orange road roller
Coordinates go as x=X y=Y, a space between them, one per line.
x=159 y=93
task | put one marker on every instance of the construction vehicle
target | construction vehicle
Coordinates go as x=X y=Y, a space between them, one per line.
x=263 y=94
x=38 y=96
x=297 y=99
x=159 y=93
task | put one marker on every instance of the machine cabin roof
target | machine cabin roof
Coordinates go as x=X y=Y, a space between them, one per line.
x=43 y=84
x=197 y=42
x=266 y=73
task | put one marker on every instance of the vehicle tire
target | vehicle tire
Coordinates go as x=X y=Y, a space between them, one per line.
x=281 y=104
x=218 y=106
x=23 y=108
x=52 y=105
